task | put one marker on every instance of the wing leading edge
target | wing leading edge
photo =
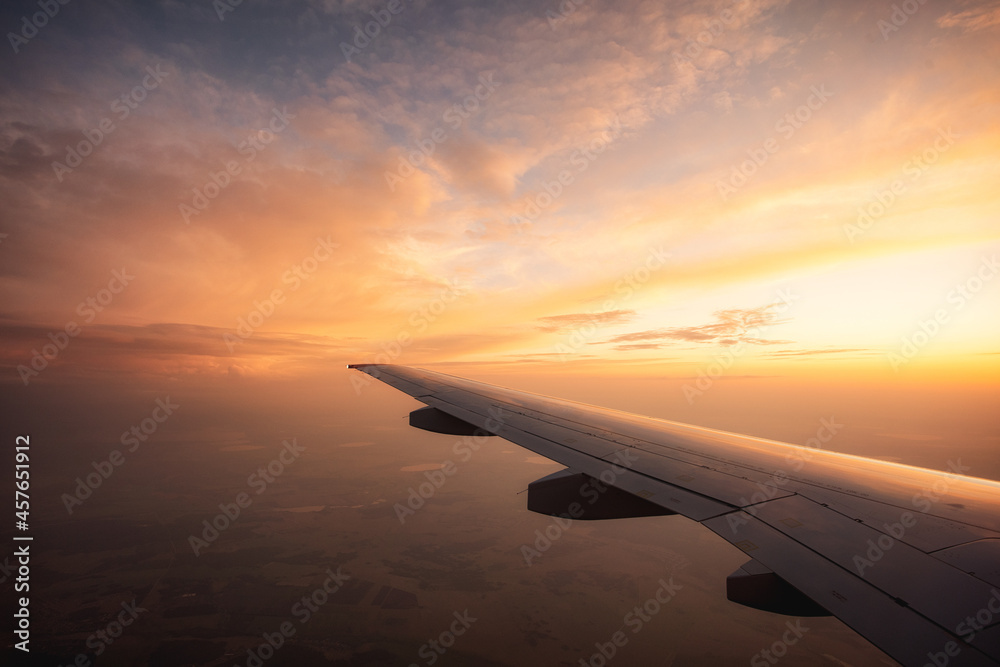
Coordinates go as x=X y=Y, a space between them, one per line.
x=907 y=557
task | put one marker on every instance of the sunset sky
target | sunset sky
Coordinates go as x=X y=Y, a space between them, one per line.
x=628 y=187
x=759 y=217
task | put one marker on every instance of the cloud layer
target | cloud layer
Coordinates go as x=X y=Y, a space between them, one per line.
x=531 y=155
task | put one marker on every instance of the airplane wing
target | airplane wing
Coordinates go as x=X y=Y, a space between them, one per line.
x=907 y=557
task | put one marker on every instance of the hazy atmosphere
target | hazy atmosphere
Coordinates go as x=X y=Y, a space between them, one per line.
x=752 y=216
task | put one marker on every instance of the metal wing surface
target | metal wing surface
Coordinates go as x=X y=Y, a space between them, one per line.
x=907 y=557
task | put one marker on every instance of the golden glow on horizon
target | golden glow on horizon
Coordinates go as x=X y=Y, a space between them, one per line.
x=862 y=180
